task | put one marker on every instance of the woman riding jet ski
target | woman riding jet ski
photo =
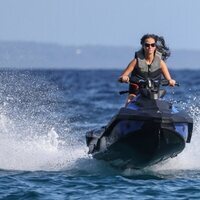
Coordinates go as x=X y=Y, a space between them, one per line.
x=148 y=129
x=148 y=63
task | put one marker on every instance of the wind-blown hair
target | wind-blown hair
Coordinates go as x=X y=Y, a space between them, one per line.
x=160 y=44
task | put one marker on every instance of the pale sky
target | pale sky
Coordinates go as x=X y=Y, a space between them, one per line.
x=101 y=22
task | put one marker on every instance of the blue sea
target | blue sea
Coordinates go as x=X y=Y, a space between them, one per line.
x=44 y=115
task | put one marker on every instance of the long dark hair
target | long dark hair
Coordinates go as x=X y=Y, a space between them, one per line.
x=160 y=44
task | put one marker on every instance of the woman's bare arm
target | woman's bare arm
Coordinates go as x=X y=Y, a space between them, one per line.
x=166 y=73
x=125 y=74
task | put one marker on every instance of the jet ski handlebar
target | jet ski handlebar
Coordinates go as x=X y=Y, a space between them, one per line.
x=153 y=85
x=165 y=82
x=150 y=83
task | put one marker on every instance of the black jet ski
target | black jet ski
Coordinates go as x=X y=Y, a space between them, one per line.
x=145 y=132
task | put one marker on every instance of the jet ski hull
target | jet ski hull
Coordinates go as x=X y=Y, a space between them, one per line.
x=137 y=149
x=137 y=139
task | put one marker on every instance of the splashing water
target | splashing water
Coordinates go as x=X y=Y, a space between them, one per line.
x=20 y=151
x=33 y=136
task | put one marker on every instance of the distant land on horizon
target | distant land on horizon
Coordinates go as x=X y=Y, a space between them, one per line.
x=32 y=55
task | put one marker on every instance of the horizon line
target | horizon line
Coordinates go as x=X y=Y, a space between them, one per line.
x=84 y=45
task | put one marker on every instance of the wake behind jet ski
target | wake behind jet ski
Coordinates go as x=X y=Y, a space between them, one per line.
x=145 y=132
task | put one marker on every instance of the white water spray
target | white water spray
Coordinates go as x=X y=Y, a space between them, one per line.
x=29 y=150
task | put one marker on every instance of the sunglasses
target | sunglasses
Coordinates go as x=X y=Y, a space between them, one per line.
x=148 y=45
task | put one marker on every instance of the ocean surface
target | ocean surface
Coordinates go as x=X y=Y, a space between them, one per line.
x=44 y=115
